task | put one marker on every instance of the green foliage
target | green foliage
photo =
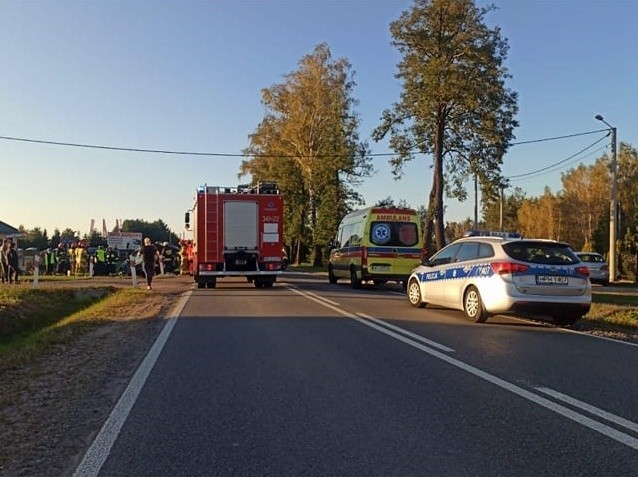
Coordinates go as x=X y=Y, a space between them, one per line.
x=33 y=238
x=157 y=231
x=308 y=143
x=454 y=102
x=95 y=239
x=511 y=203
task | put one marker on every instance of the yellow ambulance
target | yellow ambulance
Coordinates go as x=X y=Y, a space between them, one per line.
x=377 y=244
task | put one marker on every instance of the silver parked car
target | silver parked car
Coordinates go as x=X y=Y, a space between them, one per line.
x=487 y=275
x=597 y=265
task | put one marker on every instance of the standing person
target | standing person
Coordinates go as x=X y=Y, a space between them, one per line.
x=14 y=263
x=4 y=260
x=149 y=255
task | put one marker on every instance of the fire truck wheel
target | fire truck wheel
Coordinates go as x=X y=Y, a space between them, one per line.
x=211 y=283
x=201 y=284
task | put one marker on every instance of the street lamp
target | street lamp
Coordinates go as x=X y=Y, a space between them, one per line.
x=613 y=209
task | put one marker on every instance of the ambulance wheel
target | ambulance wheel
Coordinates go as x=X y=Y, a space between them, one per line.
x=414 y=294
x=473 y=306
x=331 y=275
x=355 y=281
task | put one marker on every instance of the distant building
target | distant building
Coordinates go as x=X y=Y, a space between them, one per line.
x=7 y=230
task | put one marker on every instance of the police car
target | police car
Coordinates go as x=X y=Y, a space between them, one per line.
x=488 y=273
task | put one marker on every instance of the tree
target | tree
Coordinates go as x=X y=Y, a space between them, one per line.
x=454 y=103
x=541 y=217
x=389 y=202
x=585 y=203
x=308 y=142
x=511 y=203
x=35 y=237
x=157 y=231
x=627 y=187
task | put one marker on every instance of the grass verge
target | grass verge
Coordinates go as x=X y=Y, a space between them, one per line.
x=32 y=320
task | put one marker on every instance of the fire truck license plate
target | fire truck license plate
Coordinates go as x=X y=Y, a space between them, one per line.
x=240 y=261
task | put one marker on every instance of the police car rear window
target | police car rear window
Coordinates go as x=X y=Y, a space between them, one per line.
x=546 y=253
x=394 y=234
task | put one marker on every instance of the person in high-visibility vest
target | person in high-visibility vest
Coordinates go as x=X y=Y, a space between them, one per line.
x=49 y=261
x=80 y=260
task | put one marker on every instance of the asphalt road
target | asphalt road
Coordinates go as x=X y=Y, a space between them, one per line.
x=312 y=379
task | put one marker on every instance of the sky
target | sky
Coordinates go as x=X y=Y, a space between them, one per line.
x=187 y=76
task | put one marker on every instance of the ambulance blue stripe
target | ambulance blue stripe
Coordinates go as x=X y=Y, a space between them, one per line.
x=382 y=249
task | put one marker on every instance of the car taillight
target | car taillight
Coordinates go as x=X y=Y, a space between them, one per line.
x=364 y=255
x=582 y=271
x=508 y=267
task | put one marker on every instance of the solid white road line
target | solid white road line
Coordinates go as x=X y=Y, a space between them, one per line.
x=632 y=426
x=101 y=447
x=407 y=333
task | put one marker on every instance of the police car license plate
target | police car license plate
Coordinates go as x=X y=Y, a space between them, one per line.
x=551 y=280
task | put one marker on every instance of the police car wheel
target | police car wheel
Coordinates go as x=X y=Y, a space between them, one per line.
x=473 y=306
x=414 y=294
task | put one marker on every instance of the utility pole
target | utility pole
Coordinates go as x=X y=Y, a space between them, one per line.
x=613 y=207
x=500 y=221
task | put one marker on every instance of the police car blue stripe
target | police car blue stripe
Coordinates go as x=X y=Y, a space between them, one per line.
x=485 y=270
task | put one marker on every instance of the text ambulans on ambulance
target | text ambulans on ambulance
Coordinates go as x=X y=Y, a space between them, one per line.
x=377 y=244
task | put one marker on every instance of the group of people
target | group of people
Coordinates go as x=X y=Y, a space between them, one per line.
x=65 y=259
x=9 y=262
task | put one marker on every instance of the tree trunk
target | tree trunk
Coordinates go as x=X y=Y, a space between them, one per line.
x=437 y=184
x=428 y=226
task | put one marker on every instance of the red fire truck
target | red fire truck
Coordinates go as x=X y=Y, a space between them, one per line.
x=237 y=231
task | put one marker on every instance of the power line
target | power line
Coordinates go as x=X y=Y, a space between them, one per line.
x=564 y=165
x=558 y=137
x=159 y=151
x=219 y=154
x=552 y=166
x=114 y=148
